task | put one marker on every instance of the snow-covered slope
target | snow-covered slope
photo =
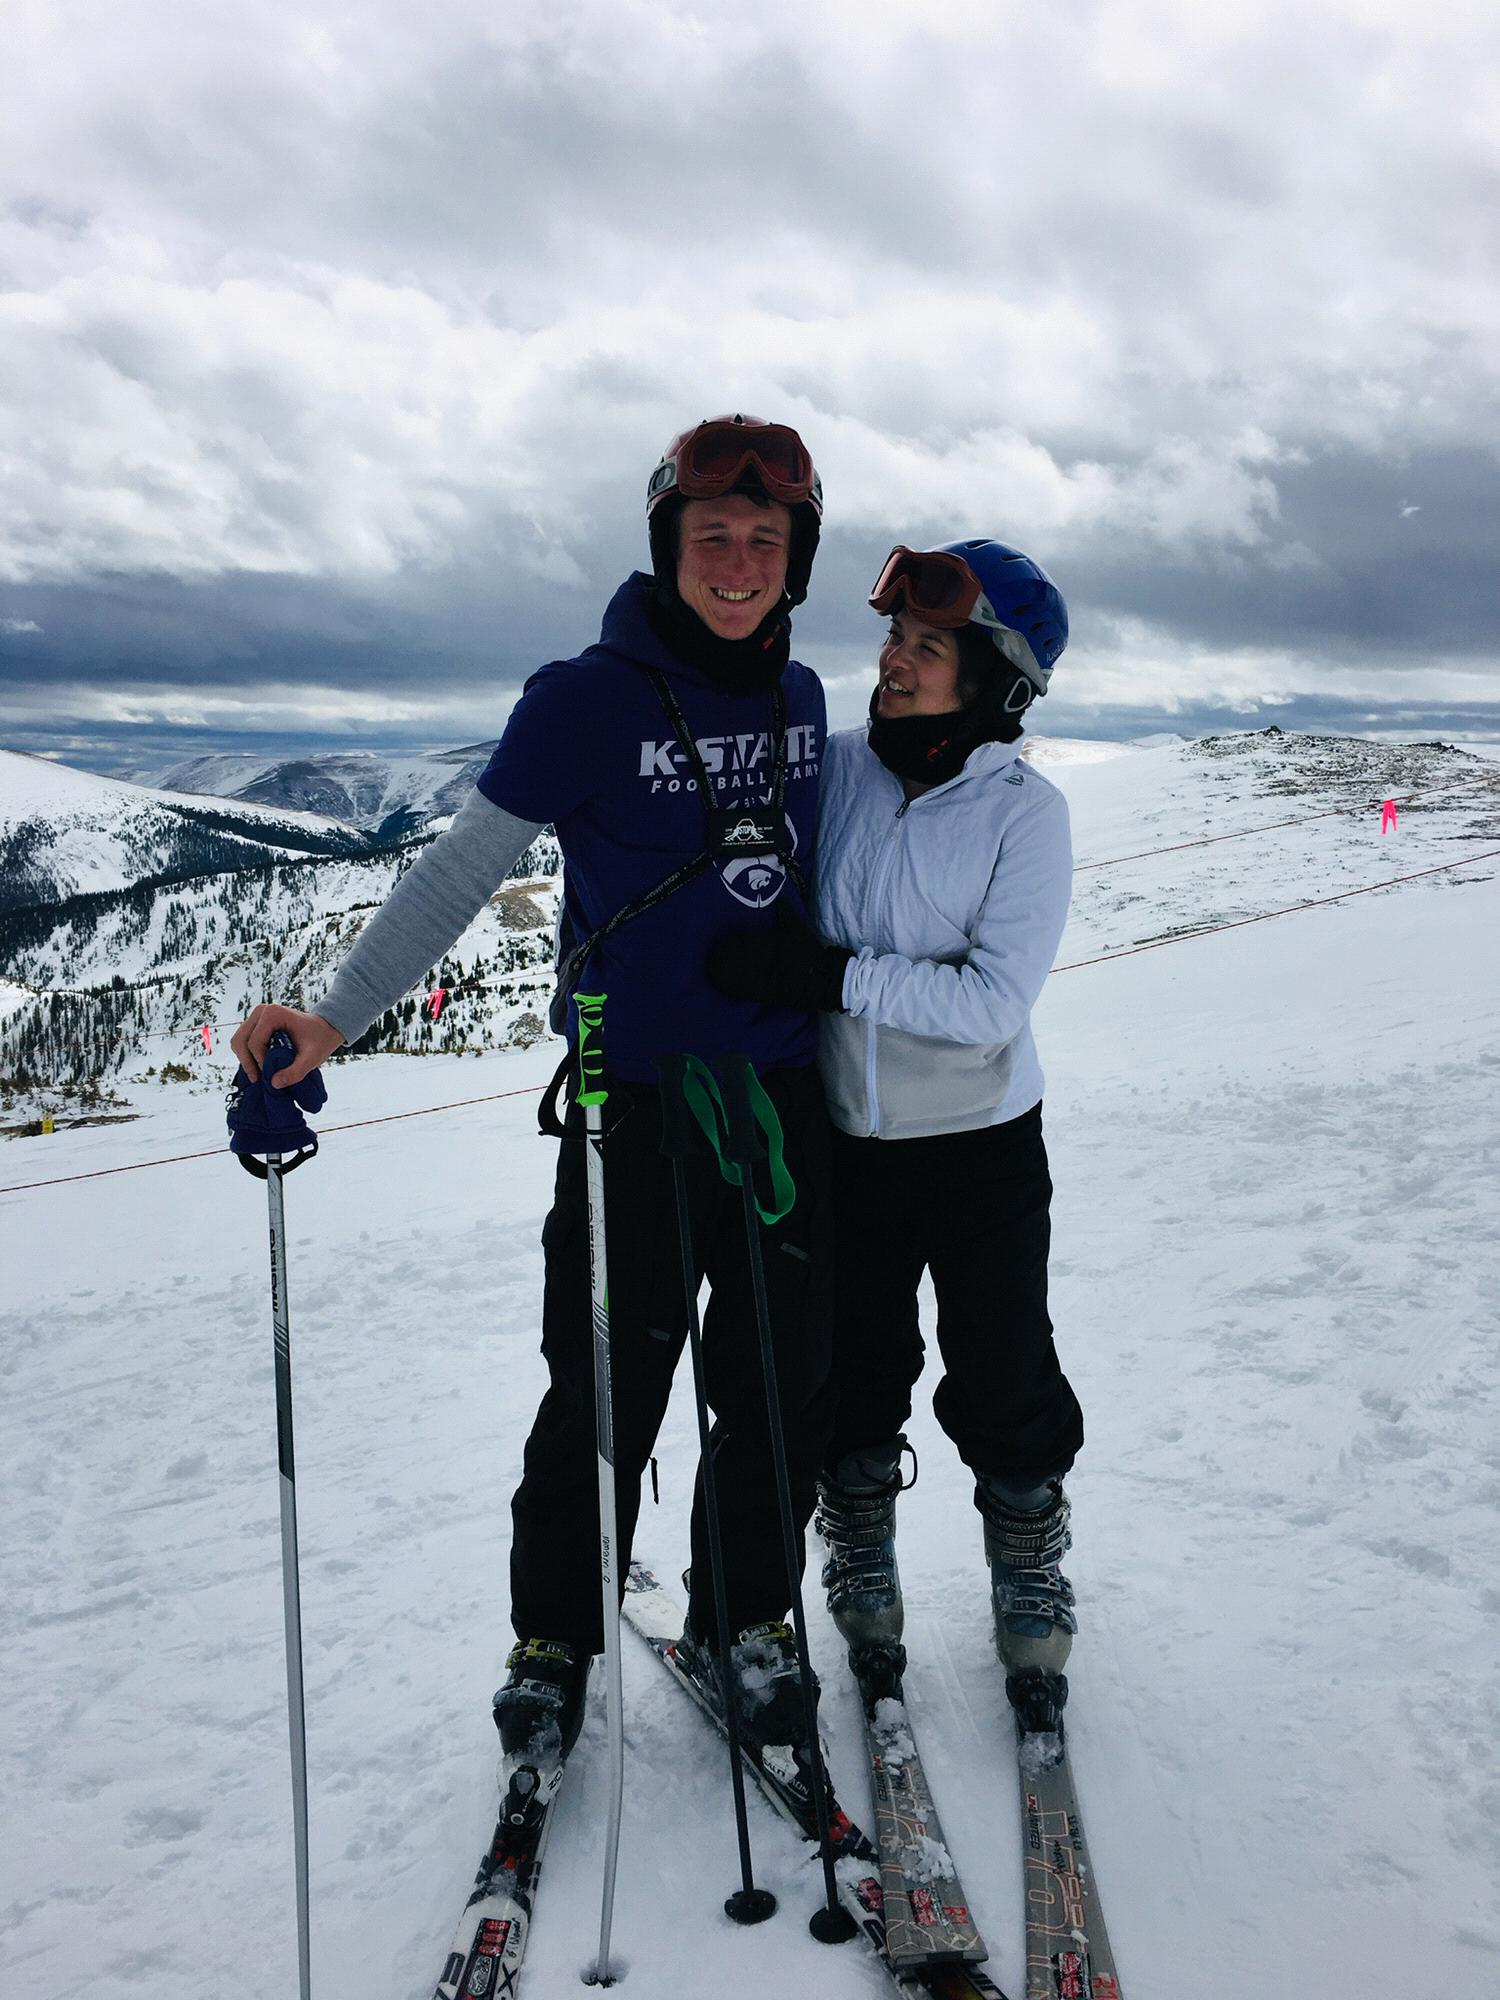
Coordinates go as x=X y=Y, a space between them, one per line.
x=1305 y=814
x=1275 y=1277
x=1044 y=751
x=66 y=833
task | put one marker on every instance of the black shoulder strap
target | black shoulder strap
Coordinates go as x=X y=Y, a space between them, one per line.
x=685 y=739
x=777 y=799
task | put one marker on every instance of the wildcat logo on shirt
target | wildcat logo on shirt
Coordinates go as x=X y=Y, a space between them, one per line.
x=756 y=879
x=730 y=761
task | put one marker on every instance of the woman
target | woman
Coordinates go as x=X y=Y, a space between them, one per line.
x=943 y=875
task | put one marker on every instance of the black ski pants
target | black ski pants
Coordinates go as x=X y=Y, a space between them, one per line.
x=973 y=1208
x=555 y=1576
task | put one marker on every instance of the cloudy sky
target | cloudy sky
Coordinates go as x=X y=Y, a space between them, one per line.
x=337 y=344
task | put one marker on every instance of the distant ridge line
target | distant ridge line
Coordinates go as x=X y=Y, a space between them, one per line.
x=1276 y=825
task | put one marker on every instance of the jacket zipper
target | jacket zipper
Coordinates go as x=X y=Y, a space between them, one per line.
x=872 y=1097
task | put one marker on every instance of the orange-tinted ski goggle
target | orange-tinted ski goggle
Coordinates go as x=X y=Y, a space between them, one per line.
x=938 y=588
x=713 y=458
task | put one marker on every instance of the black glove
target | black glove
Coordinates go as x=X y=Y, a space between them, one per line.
x=786 y=966
x=262 y=1119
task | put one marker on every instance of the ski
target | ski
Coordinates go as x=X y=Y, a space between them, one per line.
x=927 y=1917
x=657 y=1617
x=1068 y=1951
x=490 y=1943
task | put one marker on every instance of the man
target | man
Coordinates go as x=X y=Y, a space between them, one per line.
x=677 y=760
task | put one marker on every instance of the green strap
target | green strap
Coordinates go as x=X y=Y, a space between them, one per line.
x=700 y=1088
x=591 y=1088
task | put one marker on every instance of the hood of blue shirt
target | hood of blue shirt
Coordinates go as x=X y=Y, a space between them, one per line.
x=627 y=629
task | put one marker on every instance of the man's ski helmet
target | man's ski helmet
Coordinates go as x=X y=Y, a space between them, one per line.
x=986 y=583
x=736 y=454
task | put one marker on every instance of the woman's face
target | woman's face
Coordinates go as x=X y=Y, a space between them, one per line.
x=918 y=669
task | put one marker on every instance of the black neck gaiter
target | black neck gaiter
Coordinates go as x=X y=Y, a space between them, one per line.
x=740 y=666
x=929 y=749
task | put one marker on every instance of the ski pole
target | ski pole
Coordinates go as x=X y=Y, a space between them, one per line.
x=832 y=1924
x=290 y=1582
x=593 y=1095
x=747 y=1905
x=265 y=1124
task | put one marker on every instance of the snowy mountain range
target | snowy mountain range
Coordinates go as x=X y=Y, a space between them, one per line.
x=382 y=796
x=131 y=917
x=66 y=833
x=130 y=966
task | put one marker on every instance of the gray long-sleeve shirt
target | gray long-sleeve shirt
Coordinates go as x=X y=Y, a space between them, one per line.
x=434 y=902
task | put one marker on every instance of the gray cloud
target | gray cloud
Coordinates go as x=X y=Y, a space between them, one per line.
x=337 y=347
x=1345 y=569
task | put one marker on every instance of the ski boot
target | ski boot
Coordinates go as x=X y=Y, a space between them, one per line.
x=857 y=1520
x=767 y=1694
x=1025 y=1538
x=538 y=1713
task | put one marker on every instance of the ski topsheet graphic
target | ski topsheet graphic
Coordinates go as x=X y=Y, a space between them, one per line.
x=927 y=1916
x=1068 y=1954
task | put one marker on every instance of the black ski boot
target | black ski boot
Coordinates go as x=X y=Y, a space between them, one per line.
x=1025 y=1538
x=538 y=1713
x=767 y=1694
x=857 y=1520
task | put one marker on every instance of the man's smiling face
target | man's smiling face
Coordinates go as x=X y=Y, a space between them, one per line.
x=731 y=561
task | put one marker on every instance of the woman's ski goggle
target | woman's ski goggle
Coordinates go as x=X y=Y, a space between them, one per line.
x=942 y=590
x=715 y=457
x=939 y=588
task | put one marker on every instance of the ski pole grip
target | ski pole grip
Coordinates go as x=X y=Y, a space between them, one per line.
x=677 y=1127
x=591 y=1088
x=742 y=1146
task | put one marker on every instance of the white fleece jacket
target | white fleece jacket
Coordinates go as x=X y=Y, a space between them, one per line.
x=955 y=904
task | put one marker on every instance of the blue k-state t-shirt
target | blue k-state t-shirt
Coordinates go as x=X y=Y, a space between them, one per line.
x=589 y=750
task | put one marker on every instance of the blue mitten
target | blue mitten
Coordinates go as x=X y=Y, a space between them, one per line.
x=263 y=1119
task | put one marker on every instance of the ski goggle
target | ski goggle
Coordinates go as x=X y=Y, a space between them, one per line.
x=715 y=457
x=942 y=590
x=938 y=588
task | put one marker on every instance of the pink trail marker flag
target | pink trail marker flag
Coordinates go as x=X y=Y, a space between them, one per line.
x=208 y=1039
x=439 y=995
x=1388 y=816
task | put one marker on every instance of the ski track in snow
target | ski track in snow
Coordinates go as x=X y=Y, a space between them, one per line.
x=1276 y=1274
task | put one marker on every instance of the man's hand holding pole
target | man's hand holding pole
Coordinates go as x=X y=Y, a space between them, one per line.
x=313 y=1038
